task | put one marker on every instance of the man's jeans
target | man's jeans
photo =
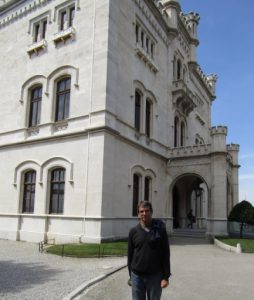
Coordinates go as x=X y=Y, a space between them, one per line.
x=149 y=285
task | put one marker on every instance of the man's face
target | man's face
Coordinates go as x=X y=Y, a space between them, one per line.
x=145 y=214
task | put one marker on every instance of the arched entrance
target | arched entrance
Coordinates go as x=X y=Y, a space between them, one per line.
x=190 y=192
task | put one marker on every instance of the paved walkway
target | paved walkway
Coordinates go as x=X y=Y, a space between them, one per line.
x=27 y=274
x=200 y=271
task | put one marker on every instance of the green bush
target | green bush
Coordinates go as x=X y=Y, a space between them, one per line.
x=242 y=213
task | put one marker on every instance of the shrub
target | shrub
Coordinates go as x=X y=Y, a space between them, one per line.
x=242 y=213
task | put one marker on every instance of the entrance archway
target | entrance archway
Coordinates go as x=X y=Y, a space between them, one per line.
x=190 y=192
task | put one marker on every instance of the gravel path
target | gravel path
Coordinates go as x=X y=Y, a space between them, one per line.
x=27 y=274
x=200 y=271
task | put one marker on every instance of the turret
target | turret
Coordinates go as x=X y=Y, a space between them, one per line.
x=233 y=150
x=192 y=20
x=172 y=9
x=211 y=80
x=218 y=135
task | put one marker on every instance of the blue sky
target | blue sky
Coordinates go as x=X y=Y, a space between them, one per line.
x=226 y=48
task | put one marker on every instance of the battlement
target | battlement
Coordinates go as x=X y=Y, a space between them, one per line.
x=209 y=80
x=189 y=151
x=233 y=147
x=219 y=130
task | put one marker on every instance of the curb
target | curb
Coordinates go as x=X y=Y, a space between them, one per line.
x=220 y=244
x=91 y=282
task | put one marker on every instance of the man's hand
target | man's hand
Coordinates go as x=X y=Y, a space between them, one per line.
x=164 y=283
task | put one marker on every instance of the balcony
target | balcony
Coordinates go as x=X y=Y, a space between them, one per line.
x=189 y=151
x=183 y=98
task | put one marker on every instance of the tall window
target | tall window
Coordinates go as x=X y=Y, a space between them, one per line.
x=29 y=192
x=176 y=125
x=63 y=99
x=66 y=17
x=147 y=188
x=136 y=186
x=57 y=184
x=137 y=110
x=148 y=118
x=182 y=142
x=178 y=69
x=39 y=31
x=35 y=106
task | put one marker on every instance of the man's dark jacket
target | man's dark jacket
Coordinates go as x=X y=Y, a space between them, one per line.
x=148 y=252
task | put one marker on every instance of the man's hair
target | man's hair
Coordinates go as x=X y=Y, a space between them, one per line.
x=145 y=204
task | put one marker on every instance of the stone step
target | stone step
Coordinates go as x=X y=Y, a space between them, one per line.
x=196 y=233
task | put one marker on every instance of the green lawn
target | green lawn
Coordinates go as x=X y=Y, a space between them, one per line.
x=90 y=250
x=246 y=244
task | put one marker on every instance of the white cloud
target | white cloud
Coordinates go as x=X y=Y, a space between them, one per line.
x=246 y=177
x=246 y=156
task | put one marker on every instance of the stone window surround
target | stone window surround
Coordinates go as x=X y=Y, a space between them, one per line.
x=143 y=173
x=178 y=131
x=42 y=178
x=48 y=88
x=145 y=47
x=146 y=95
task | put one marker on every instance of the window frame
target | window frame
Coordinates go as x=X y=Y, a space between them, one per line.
x=69 y=11
x=35 y=101
x=29 y=184
x=60 y=191
x=66 y=93
x=40 y=34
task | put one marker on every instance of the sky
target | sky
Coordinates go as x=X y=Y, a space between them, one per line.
x=226 y=48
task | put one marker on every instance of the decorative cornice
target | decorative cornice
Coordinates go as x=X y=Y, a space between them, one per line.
x=17 y=13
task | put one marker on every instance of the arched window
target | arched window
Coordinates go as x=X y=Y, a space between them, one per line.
x=182 y=142
x=57 y=184
x=29 y=192
x=35 y=106
x=147 y=188
x=137 y=110
x=178 y=69
x=136 y=193
x=148 y=118
x=63 y=99
x=176 y=125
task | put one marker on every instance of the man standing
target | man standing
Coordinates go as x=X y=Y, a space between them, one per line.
x=148 y=255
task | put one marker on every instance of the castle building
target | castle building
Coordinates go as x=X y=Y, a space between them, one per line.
x=103 y=104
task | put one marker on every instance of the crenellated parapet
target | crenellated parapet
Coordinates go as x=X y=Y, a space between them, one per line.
x=189 y=151
x=208 y=80
x=219 y=130
x=218 y=138
x=233 y=150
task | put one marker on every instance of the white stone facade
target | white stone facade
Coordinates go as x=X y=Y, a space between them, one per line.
x=137 y=124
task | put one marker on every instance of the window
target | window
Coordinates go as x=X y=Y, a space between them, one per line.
x=29 y=192
x=147 y=188
x=136 y=186
x=57 y=184
x=148 y=118
x=66 y=17
x=182 y=141
x=35 y=106
x=137 y=110
x=39 y=30
x=178 y=69
x=176 y=125
x=63 y=99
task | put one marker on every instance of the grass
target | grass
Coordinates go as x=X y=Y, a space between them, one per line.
x=90 y=250
x=246 y=244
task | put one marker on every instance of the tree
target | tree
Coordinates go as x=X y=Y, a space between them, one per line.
x=242 y=213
